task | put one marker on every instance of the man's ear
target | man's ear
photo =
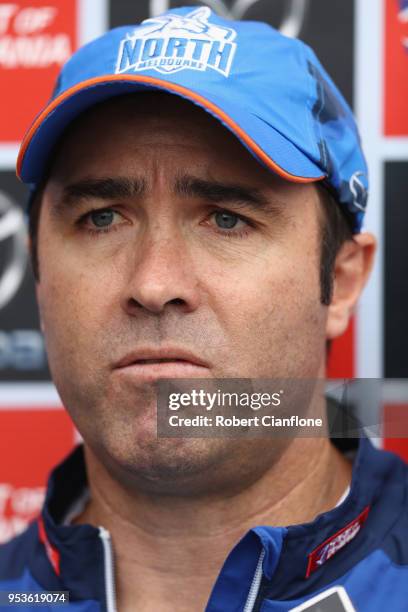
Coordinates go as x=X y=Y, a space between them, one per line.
x=351 y=270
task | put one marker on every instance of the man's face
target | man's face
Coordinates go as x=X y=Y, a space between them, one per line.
x=159 y=230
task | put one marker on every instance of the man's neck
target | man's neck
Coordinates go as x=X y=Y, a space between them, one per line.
x=166 y=545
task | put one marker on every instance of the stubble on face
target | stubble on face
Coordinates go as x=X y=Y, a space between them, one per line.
x=249 y=305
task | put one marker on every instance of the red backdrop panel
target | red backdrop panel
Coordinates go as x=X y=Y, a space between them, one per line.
x=396 y=69
x=341 y=359
x=395 y=421
x=32 y=441
x=36 y=38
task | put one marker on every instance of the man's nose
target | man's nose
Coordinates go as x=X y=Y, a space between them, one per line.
x=163 y=273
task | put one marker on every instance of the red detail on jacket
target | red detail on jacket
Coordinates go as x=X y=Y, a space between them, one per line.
x=336 y=542
x=52 y=553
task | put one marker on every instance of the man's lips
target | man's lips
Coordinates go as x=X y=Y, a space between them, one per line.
x=150 y=370
x=161 y=358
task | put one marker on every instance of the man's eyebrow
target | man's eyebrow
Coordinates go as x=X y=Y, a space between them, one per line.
x=108 y=188
x=224 y=192
x=113 y=188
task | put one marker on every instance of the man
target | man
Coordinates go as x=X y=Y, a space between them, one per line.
x=198 y=190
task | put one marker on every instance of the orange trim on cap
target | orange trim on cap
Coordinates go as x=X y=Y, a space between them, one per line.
x=171 y=87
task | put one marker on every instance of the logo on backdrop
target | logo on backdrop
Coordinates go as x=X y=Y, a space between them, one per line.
x=26 y=40
x=295 y=12
x=403 y=17
x=12 y=249
x=18 y=505
x=174 y=42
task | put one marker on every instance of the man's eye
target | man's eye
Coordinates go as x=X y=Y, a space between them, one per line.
x=101 y=221
x=226 y=220
x=102 y=218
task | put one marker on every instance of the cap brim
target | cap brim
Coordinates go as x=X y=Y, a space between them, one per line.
x=282 y=156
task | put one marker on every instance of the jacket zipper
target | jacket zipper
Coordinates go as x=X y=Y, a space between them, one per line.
x=256 y=582
x=110 y=580
x=108 y=570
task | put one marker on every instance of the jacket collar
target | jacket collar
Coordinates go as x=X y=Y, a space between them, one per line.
x=351 y=530
x=75 y=552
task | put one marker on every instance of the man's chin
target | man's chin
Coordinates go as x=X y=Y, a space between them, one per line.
x=177 y=467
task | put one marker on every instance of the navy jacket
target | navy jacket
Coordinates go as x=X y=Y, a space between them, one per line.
x=360 y=548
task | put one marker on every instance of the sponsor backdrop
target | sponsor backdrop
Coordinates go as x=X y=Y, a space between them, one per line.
x=362 y=43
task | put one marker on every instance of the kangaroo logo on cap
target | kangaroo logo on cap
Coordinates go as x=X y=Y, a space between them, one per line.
x=175 y=42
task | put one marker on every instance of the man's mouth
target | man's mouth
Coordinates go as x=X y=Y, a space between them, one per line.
x=151 y=363
x=143 y=361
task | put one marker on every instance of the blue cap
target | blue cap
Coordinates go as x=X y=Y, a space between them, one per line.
x=269 y=90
